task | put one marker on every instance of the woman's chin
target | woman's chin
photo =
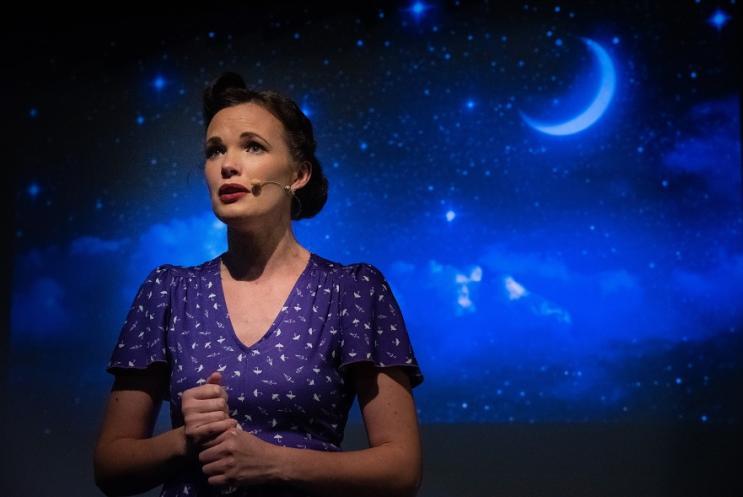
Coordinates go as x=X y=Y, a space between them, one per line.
x=237 y=217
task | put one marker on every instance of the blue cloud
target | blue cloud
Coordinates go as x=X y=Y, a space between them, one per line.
x=93 y=245
x=83 y=296
x=711 y=147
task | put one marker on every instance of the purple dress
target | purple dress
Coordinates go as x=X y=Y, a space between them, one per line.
x=288 y=388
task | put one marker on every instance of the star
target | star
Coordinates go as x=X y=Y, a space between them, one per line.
x=418 y=8
x=718 y=19
x=159 y=82
x=33 y=189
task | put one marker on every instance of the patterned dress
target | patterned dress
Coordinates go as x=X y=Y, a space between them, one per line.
x=288 y=388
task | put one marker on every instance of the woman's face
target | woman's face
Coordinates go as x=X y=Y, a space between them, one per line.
x=243 y=142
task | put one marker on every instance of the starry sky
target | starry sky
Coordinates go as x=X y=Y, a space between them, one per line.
x=590 y=276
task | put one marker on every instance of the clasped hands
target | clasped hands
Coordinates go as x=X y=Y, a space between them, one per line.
x=227 y=454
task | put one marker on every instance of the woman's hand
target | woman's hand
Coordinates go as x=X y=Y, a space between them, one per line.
x=240 y=458
x=205 y=414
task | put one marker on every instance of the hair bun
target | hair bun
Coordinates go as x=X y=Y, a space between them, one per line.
x=226 y=80
x=214 y=92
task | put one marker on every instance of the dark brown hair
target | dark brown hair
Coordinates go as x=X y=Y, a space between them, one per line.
x=229 y=89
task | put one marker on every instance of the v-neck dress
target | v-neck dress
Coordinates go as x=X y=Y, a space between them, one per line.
x=289 y=388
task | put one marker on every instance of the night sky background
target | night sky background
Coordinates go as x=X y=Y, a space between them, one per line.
x=596 y=276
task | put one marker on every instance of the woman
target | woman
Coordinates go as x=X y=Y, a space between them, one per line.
x=261 y=350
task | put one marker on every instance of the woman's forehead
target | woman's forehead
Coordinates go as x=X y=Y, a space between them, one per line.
x=232 y=121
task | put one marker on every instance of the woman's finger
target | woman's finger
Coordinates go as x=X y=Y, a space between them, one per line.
x=208 y=434
x=205 y=391
x=196 y=419
x=206 y=405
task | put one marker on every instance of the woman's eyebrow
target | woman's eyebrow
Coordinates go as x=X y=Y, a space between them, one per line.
x=216 y=139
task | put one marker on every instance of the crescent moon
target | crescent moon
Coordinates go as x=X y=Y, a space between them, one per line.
x=598 y=106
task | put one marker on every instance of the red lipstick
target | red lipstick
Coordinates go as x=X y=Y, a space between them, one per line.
x=230 y=192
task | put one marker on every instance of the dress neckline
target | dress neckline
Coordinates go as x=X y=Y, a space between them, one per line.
x=287 y=302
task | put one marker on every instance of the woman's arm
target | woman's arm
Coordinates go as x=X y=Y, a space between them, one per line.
x=128 y=466
x=128 y=460
x=392 y=464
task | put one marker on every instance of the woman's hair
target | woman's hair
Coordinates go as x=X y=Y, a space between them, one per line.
x=229 y=89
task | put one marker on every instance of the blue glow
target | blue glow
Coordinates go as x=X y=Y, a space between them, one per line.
x=159 y=83
x=450 y=215
x=33 y=189
x=140 y=120
x=418 y=8
x=33 y=112
x=718 y=19
x=594 y=111
x=470 y=104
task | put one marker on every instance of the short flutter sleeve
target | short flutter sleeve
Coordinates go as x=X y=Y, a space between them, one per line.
x=142 y=339
x=372 y=325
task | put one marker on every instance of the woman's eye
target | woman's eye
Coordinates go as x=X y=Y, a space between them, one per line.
x=209 y=152
x=250 y=144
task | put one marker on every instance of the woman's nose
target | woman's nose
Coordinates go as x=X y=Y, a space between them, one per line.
x=230 y=161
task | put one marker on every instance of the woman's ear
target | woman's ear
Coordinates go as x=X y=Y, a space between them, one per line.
x=305 y=170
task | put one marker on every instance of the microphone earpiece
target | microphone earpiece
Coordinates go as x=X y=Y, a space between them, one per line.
x=257 y=185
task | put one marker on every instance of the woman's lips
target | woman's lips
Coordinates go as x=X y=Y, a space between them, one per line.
x=231 y=197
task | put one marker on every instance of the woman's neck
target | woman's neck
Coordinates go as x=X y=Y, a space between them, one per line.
x=253 y=255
